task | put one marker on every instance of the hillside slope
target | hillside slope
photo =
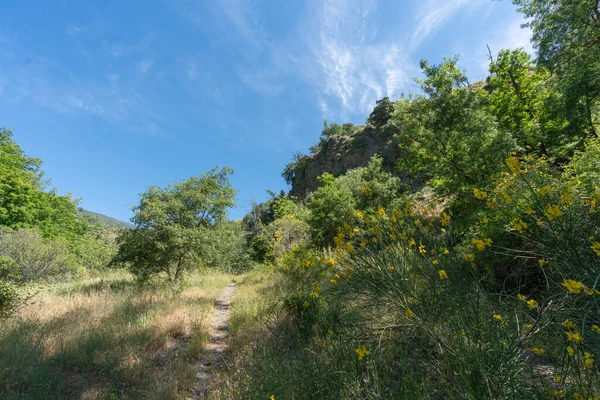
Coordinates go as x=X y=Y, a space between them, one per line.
x=104 y=220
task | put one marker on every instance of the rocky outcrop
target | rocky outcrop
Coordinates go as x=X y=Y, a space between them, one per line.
x=339 y=154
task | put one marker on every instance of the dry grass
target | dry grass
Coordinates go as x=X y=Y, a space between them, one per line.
x=108 y=338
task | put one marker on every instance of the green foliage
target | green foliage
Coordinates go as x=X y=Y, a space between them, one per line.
x=38 y=258
x=448 y=133
x=382 y=113
x=93 y=252
x=565 y=34
x=9 y=297
x=585 y=165
x=525 y=102
x=24 y=204
x=290 y=169
x=226 y=250
x=174 y=225
x=367 y=188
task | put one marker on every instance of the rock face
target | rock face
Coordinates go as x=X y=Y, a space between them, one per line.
x=340 y=154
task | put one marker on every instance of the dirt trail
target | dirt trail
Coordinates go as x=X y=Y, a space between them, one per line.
x=213 y=355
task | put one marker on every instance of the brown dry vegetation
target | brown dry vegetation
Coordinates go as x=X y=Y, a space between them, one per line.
x=108 y=338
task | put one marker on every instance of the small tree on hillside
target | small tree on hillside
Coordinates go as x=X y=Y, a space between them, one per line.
x=381 y=113
x=174 y=225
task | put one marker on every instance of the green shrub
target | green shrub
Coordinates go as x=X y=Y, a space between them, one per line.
x=39 y=259
x=92 y=252
x=9 y=297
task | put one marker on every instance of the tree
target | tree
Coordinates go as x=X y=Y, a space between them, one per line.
x=526 y=104
x=382 y=113
x=448 y=132
x=23 y=201
x=331 y=205
x=174 y=225
x=565 y=34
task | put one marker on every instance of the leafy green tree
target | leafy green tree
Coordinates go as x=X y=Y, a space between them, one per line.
x=448 y=132
x=331 y=205
x=23 y=201
x=526 y=103
x=382 y=112
x=174 y=225
x=565 y=34
x=226 y=249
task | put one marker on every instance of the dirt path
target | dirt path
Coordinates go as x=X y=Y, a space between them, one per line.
x=213 y=355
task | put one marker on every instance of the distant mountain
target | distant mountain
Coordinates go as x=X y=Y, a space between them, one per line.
x=104 y=220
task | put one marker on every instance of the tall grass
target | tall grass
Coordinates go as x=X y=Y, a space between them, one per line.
x=105 y=337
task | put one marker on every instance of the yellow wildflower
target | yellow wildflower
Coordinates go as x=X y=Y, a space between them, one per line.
x=596 y=328
x=272 y=397
x=568 y=324
x=529 y=326
x=573 y=286
x=445 y=251
x=542 y=262
x=470 y=257
x=552 y=212
x=333 y=281
x=422 y=249
x=390 y=267
x=435 y=262
x=513 y=164
x=519 y=225
x=570 y=350
x=532 y=304
x=544 y=191
x=409 y=314
x=412 y=242
x=362 y=351
x=381 y=212
x=538 y=351
x=497 y=317
x=522 y=297
x=330 y=332
x=529 y=211
x=479 y=194
x=305 y=304
x=445 y=219
x=596 y=248
x=480 y=244
x=443 y=274
x=574 y=337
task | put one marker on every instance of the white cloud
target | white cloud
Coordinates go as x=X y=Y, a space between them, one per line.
x=433 y=14
x=352 y=67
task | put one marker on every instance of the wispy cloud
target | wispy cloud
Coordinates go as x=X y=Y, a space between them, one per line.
x=353 y=67
x=30 y=77
x=433 y=14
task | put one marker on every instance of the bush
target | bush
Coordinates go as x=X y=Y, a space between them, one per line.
x=92 y=252
x=9 y=298
x=38 y=259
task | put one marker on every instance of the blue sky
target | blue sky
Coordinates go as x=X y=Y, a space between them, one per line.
x=115 y=96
